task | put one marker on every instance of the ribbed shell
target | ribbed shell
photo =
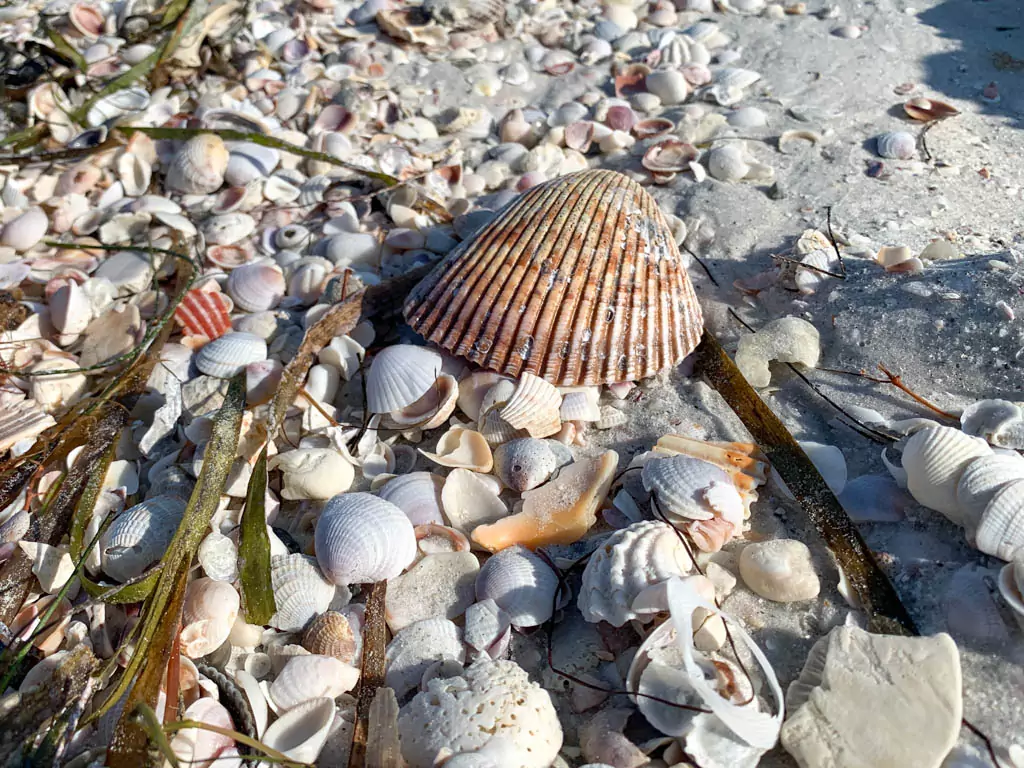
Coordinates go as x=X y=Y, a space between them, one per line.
x=418 y=494
x=22 y=420
x=935 y=458
x=534 y=406
x=1001 y=531
x=300 y=591
x=139 y=536
x=694 y=489
x=228 y=355
x=577 y=281
x=204 y=313
x=399 y=376
x=330 y=634
x=632 y=559
x=361 y=538
x=199 y=166
x=256 y=287
x=980 y=481
x=522 y=585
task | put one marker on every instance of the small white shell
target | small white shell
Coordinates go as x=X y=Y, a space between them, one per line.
x=418 y=646
x=1011 y=587
x=218 y=557
x=228 y=228
x=525 y=463
x=728 y=162
x=580 y=404
x=1001 y=530
x=692 y=489
x=469 y=501
x=199 y=166
x=307 y=279
x=488 y=629
x=418 y=494
x=23 y=232
x=433 y=409
x=70 y=310
x=438 y=585
x=135 y=173
x=779 y=570
x=230 y=354
x=249 y=162
x=462 y=448
x=256 y=287
x=211 y=608
x=534 y=406
x=399 y=376
x=980 y=480
x=52 y=566
x=830 y=463
x=896 y=145
x=313 y=473
x=361 y=538
x=139 y=536
x=301 y=732
x=310 y=677
x=934 y=459
x=627 y=563
x=522 y=585
x=300 y=591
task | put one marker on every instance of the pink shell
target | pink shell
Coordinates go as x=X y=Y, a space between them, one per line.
x=204 y=313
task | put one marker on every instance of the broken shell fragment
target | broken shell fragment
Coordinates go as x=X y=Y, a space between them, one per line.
x=926 y=110
x=462 y=448
x=469 y=501
x=438 y=585
x=534 y=406
x=786 y=340
x=525 y=463
x=779 y=570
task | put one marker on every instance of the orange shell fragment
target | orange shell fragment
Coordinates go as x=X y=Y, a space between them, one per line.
x=559 y=512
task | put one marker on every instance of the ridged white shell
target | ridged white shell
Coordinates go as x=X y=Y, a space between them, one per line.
x=199 y=166
x=1001 y=530
x=487 y=629
x=228 y=355
x=896 y=145
x=534 y=406
x=581 y=404
x=627 y=563
x=418 y=646
x=934 y=459
x=469 y=501
x=140 y=536
x=432 y=409
x=418 y=494
x=522 y=585
x=525 y=463
x=310 y=677
x=979 y=482
x=462 y=448
x=300 y=591
x=692 y=489
x=211 y=608
x=399 y=376
x=301 y=732
x=20 y=421
x=256 y=287
x=361 y=538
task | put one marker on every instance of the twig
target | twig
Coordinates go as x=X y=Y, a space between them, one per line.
x=703 y=266
x=372 y=677
x=981 y=735
x=922 y=137
x=832 y=239
x=897 y=381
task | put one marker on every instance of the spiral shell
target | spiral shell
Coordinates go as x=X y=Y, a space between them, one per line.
x=934 y=459
x=522 y=585
x=256 y=287
x=300 y=591
x=330 y=634
x=211 y=608
x=230 y=354
x=627 y=563
x=310 y=677
x=418 y=495
x=199 y=166
x=399 y=376
x=361 y=538
x=139 y=536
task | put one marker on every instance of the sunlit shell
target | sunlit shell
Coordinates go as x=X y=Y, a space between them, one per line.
x=301 y=732
x=300 y=591
x=981 y=479
x=433 y=409
x=627 y=563
x=399 y=376
x=580 y=404
x=361 y=538
x=934 y=459
x=418 y=495
x=669 y=156
x=686 y=488
x=1000 y=422
x=779 y=570
x=418 y=646
x=522 y=585
x=24 y=231
x=200 y=746
x=558 y=512
x=534 y=406
x=438 y=585
x=495 y=299
x=209 y=613
x=741 y=460
x=1001 y=530
x=472 y=390
x=52 y=566
x=256 y=287
x=925 y=110
x=307 y=280
x=525 y=463
x=198 y=167
x=313 y=473
x=230 y=354
x=204 y=312
x=21 y=421
x=896 y=145
x=228 y=228
x=310 y=677
x=1011 y=587
x=432 y=539
x=469 y=501
x=135 y=173
x=330 y=634
x=218 y=557
x=462 y=448
x=490 y=424
x=140 y=536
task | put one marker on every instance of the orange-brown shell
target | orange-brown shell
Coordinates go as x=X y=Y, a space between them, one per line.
x=330 y=634
x=577 y=281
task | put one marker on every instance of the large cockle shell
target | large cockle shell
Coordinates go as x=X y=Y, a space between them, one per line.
x=310 y=677
x=534 y=406
x=140 y=536
x=934 y=459
x=399 y=376
x=198 y=167
x=559 y=512
x=1001 y=529
x=301 y=732
x=577 y=281
x=416 y=648
x=300 y=591
x=522 y=585
x=313 y=473
x=462 y=448
x=230 y=354
x=627 y=563
x=256 y=287
x=361 y=538
x=330 y=634
x=211 y=608
x=418 y=494
x=441 y=584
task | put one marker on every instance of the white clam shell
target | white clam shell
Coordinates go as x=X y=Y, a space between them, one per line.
x=488 y=629
x=896 y=145
x=728 y=162
x=256 y=287
x=311 y=677
x=300 y=591
x=199 y=746
x=934 y=459
x=418 y=646
x=399 y=376
x=692 y=489
x=228 y=228
x=135 y=173
x=580 y=404
x=313 y=473
x=140 y=536
x=627 y=563
x=230 y=354
x=1001 y=530
x=981 y=479
x=248 y=162
x=70 y=309
x=198 y=167
x=418 y=494
x=525 y=463
x=23 y=232
x=830 y=463
x=218 y=557
x=469 y=501
x=301 y=732
x=534 y=406
x=462 y=448
x=361 y=538
x=522 y=585
x=210 y=610
x=307 y=279
x=257 y=701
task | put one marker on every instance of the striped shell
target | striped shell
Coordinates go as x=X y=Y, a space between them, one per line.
x=199 y=166
x=361 y=538
x=934 y=459
x=980 y=481
x=534 y=406
x=1001 y=530
x=418 y=494
x=225 y=356
x=399 y=376
x=256 y=287
x=577 y=281
x=300 y=591
x=21 y=421
x=203 y=312
x=330 y=634
x=522 y=585
x=140 y=536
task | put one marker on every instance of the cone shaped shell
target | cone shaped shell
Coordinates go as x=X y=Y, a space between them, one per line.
x=577 y=281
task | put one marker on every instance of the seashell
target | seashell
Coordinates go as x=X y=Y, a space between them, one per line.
x=579 y=135
x=256 y=287
x=433 y=409
x=926 y=110
x=25 y=231
x=262 y=380
x=559 y=512
x=438 y=585
x=980 y=480
x=300 y=591
x=628 y=562
x=118 y=104
x=139 y=536
x=652 y=127
x=874 y=498
x=210 y=610
x=462 y=448
x=204 y=312
x=311 y=677
x=779 y=570
x=87 y=19
x=611 y=417
x=52 y=566
x=687 y=488
x=487 y=629
x=741 y=460
x=230 y=354
x=218 y=557
x=471 y=306
x=418 y=646
x=228 y=228
x=249 y=162
x=788 y=339
x=830 y=463
x=399 y=376
x=361 y=538
x=580 y=404
x=729 y=162
x=934 y=459
x=301 y=732
x=747 y=118
x=669 y=156
x=525 y=463
x=1001 y=529
x=432 y=538
x=897 y=145
x=469 y=501
x=669 y=85
x=331 y=634
x=521 y=584
x=313 y=473
x=472 y=390
x=533 y=406
x=199 y=166
x=201 y=747
x=21 y=421
x=135 y=173
x=418 y=495
x=70 y=310
x=1000 y=422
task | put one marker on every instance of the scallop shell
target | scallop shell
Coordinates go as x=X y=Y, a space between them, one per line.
x=418 y=495
x=534 y=406
x=205 y=312
x=198 y=167
x=580 y=404
x=310 y=677
x=896 y=145
x=21 y=421
x=300 y=591
x=331 y=634
x=934 y=459
x=980 y=481
x=627 y=563
x=361 y=538
x=139 y=536
x=399 y=376
x=693 y=489
x=469 y=501
x=418 y=646
x=1001 y=530
x=522 y=585
x=301 y=732
x=525 y=463
x=228 y=355
x=669 y=156
x=256 y=287
x=568 y=236
x=462 y=448
x=433 y=409
x=211 y=608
